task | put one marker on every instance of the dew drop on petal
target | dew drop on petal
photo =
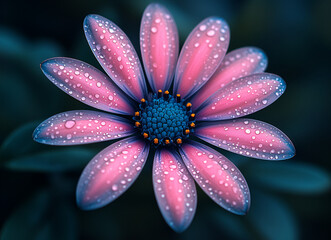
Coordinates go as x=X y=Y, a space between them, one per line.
x=69 y=124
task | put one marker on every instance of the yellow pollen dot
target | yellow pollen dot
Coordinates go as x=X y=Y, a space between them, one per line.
x=166 y=92
x=136 y=114
x=178 y=95
x=137 y=124
x=143 y=100
x=160 y=91
x=192 y=115
x=192 y=125
x=179 y=141
x=187 y=131
x=145 y=135
x=188 y=105
x=156 y=141
x=167 y=141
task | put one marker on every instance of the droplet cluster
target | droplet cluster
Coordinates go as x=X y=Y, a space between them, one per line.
x=87 y=84
x=159 y=46
x=81 y=127
x=248 y=137
x=201 y=55
x=174 y=189
x=116 y=54
x=236 y=64
x=111 y=172
x=217 y=176
x=242 y=97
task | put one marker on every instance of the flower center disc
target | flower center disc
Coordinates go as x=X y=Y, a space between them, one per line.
x=164 y=119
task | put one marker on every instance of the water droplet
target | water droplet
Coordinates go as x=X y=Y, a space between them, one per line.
x=69 y=124
x=203 y=27
x=114 y=187
x=211 y=33
x=154 y=29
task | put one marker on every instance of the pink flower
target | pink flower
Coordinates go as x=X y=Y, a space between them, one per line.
x=210 y=90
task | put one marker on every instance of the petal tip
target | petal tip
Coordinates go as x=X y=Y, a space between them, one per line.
x=83 y=205
x=87 y=205
x=179 y=228
x=35 y=135
x=291 y=152
x=45 y=64
x=90 y=17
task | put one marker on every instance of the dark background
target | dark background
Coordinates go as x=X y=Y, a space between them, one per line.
x=290 y=199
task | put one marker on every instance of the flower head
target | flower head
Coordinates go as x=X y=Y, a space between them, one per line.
x=210 y=89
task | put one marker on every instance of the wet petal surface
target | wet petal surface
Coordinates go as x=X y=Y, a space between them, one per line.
x=159 y=46
x=248 y=137
x=174 y=189
x=80 y=127
x=236 y=64
x=111 y=172
x=242 y=97
x=116 y=54
x=217 y=176
x=201 y=55
x=87 y=84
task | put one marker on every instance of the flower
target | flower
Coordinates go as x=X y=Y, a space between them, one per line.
x=210 y=89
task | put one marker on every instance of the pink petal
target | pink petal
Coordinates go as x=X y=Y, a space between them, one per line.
x=242 y=97
x=248 y=137
x=111 y=172
x=159 y=46
x=116 y=55
x=174 y=189
x=201 y=55
x=236 y=64
x=80 y=127
x=217 y=176
x=87 y=84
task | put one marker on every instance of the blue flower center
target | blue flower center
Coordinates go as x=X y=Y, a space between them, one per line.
x=164 y=120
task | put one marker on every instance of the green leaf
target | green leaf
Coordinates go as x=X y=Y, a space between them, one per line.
x=52 y=161
x=44 y=216
x=271 y=219
x=23 y=223
x=233 y=226
x=292 y=177
x=20 y=141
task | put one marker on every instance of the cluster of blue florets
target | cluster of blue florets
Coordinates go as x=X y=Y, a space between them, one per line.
x=164 y=119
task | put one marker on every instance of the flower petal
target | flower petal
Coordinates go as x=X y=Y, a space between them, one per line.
x=236 y=64
x=80 y=127
x=87 y=84
x=116 y=54
x=201 y=55
x=242 y=97
x=159 y=46
x=111 y=172
x=174 y=189
x=217 y=176
x=248 y=137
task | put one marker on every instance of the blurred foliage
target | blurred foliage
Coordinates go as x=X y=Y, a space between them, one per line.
x=290 y=199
